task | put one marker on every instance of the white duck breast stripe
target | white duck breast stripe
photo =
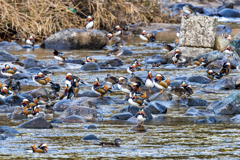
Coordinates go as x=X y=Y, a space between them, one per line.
x=132 y=102
x=7 y=74
x=58 y=58
x=119 y=86
x=141 y=118
x=125 y=90
x=89 y=25
x=174 y=59
x=129 y=71
x=117 y=33
x=158 y=86
x=143 y=37
x=95 y=90
x=149 y=83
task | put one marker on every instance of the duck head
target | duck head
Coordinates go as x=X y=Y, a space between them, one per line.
x=40 y=74
x=229 y=37
x=109 y=36
x=55 y=52
x=5 y=90
x=7 y=66
x=136 y=62
x=183 y=84
x=227 y=65
x=69 y=76
x=96 y=83
x=120 y=79
x=209 y=71
x=223 y=35
x=31 y=37
x=177 y=51
x=25 y=101
x=228 y=48
x=89 y=19
x=117 y=28
x=117 y=141
x=143 y=33
x=159 y=77
x=200 y=60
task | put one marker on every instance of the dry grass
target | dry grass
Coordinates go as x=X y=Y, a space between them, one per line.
x=42 y=18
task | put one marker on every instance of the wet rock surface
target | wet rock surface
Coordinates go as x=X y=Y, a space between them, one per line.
x=133 y=110
x=74 y=119
x=15 y=100
x=5 y=56
x=155 y=107
x=139 y=128
x=199 y=79
x=211 y=56
x=90 y=66
x=198 y=113
x=4 y=45
x=91 y=137
x=36 y=123
x=4 y=129
x=31 y=62
x=207 y=120
x=122 y=116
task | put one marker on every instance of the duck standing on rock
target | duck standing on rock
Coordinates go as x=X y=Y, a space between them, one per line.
x=124 y=86
x=97 y=88
x=69 y=80
x=118 y=51
x=41 y=79
x=59 y=56
x=161 y=83
x=4 y=92
x=7 y=71
x=178 y=91
x=116 y=143
x=135 y=100
x=133 y=68
x=178 y=57
x=90 y=59
x=141 y=117
x=89 y=23
x=225 y=70
x=149 y=81
x=68 y=92
x=111 y=80
x=42 y=148
x=229 y=51
x=211 y=75
x=30 y=40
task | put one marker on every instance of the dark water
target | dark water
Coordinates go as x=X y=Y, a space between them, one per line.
x=171 y=136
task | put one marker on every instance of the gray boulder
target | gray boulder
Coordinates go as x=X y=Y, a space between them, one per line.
x=88 y=94
x=37 y=93
x=36 y=123
x=4 y=45
x=165 y=96
x=122 y=116
x=17 y=114
x=215 y=65
x=74 y=119
x=198 y=113
x=195 y=102
x=235 y=118
x=211 y=106
x=90 y=66
x=91 y=126
x=236 y=45
x=6 y=109
x=5 y=56
x=91 y=137
x=199 y=79
x=4 y=129
x=74 y=61
x=227 y=12
x=14 y=100
x=221 y=43
x=230 y=105
x=75 y=39
x=133 y=110
x=126 y=51
x=56 y=121
x=61 y=105
x=211 y=56
x=31 y=62
x=207 y=120
x=89 y=114
x=155 y=107
x=112 y=63
x=198 y=31
x=108 y=101
x=173 y=103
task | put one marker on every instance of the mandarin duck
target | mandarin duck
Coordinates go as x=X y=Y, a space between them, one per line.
x=41 y=79
x=100 y=90
x=229 y=51
x=68 y=93
x=118 y=51
x=135 y=100
x=89 y=23
x=141 y=117
x=188 y=89
x=30 y=40
x=90 y=59
x=156 y=64
x=229 y=37
x=225 y=70
x=109 y=36
x=149 y=82
x=117 y=31
x=59 y=56
x=4 y=91
x=178 y=57
x=178 y=91
x=7 y=71
x=161 y=83
x=111 y=80
x=166 y=47
x=135 y=79
x=133 y=68
x=147 y=37
x=69 y=80
x=116 y=143
x=75 y=87
x=198 y=62
x=211 y=75
x=42 y=148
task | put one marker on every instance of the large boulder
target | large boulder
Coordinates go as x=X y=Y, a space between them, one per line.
x=236 y=46
x=89 y=114
x=198 y=113
x=235 y=118
x=14 y=100
x=211 y=106
x=31 y=62
x=126 y=51
x=215 y=65
x=195 y=102
x=36 y=123
x=199 y=79
x=108 y=101
x=75 y=39
x=227 y=12
x=154 y=59
x=112 y=63
x=230 y=105
x=37 y=93
x=61 y=105
x=17 y=114
x=155 y=107
x=165 y=96
x=6 y=109
x=4 y=45
x=74 y=119
x=133 y=110
x=198 y=31
x=211 y=56
x=221 y=43
x=90 y=66
x=4 y=129
x=122 y=116
x=5 y=56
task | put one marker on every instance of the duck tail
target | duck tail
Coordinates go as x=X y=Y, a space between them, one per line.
x=106 y=87
x=47 y=79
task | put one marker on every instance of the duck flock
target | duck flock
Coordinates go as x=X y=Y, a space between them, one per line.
x=129 y=86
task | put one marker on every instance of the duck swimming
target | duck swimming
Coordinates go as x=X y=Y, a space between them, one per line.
x=41 y=79
x=42 y=148
x=30 y=40
x=59 y=56
x=116 y=143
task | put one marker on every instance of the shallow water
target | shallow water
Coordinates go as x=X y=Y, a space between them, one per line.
x=171 y=136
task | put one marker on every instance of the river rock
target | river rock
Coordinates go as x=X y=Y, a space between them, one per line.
x=199 y=79
x=6 y=109
x=61 y=105
x=139 y=128
x=126 y=51
x=74 y=61
x=211 y=56
x=236 y=45
x=91 y=137
x=155 y=58
x=108 y=101
x=91 y=126
x=165 y=96
x=215 y=65
x=235 y=118
x=227 y=12
x=112 y=63
x=17 y=114
x=89 y=114
x=88 y=94
x=5 y=56
x=198 y=112
x=90 y=66
x=221 y=43
x=36 y=123
x=122 y=116
x=75 y=39
x=224 y=84
x=85 y=101
x=31 y=62
x=198 y=31
x=173 y=103
x=230 y=105
x=74 y=119
x=207 y=120
x=30 y=98
x=4 y=129
x=133 y=110
x=236 y=37
x=211 y=106
x=37 y=93
x=13 y=100
x=195 y=102
x=56 y=121
x=155 y=107
x=4 y=45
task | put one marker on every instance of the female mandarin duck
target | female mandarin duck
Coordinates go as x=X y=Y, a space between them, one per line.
x=7 y=71
x=89 y=23
x=42 y=148
x=149 y=81
x=41 y=79
x=68 y=92
x=141 y=117
x=161 y=83
x=124 y=86
x=111 y=80
x=229 y=51
x=59 y=56
x=97 y=88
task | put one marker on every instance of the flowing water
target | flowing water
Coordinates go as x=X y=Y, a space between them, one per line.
x=170 y=136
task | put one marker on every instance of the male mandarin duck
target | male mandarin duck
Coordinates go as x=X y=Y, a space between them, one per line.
x=147 y=37
x=229 y=37
x=188 y=88
x=30 y=109
x=198 y=62
x=41 y=79
x=229 y=51
x=211 y=75
x=25 y=103
x=178 y=57
x=124 y=86
x=7 y=71
x=42 y=148
x=116 y=143
x=161 y=83
x=149 y=82
x=166 y=47
x=90 y=59
x=89 y=23
x=133 y=68
x=75 y=87
x=136 y=87
x=109 y=36
x=135 y=100
x=136 y=62
x=59 y=56
x=225 y=70
x=69 y=80
x=97 y=88
x=30 y=40
x=4 y=92
x=117 y=31
x=141 y=117
x=111 y=80
x=118 y=51
x=156 y=64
